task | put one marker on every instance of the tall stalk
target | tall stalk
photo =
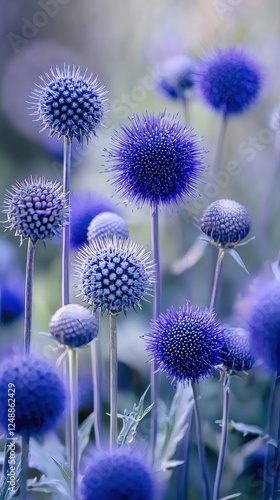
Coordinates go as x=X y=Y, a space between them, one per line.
x=217 y=278
x=97 y=390
x=200 y=444
x=223 y=443
x=66 y=228
x=28 y=295
x=113 y=381
x=218 y=150
x=74 y=424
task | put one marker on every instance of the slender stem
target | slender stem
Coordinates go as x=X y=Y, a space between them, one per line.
x=186 y=110
x=182 y=472
x=273 y=465
x=216 y=162
x=269 y=429
x=74 y=424
x=66 y=229
x=200 y=444
x=217 y=278
x=113 y=381
x=28 y=295
x=24 y=466
x=68 y=450
x=276 y=466
x=97 y=390
x=223 y=443
x=156 y=312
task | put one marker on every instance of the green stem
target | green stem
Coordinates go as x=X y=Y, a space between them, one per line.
x=200 y=444
x=156 y=312
x=216 y=162
x=97 y=390
x=24 y=466
x=217 y=279
x=186 y=110
x=28 y=295
x=113 y=381
x=223 y=443
x=66 y=229
x=74 y=424
x=269 y=430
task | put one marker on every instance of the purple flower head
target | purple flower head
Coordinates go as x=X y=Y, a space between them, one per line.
x=107 y=225
x=226 y=222
x=84 y=207
x=39 y=394
x=176 y=78
x=69 y=103
x=264 y=327
x=114 y=274
x=118 y=475
x=186 y=344
x=36 y=208
x=229 y=80
x=74 y=325
x=11 y=297
x=237 y=353
x=156 y=160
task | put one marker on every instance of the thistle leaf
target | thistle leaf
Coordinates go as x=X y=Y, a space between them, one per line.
x=237 y=259
x=84 y=433
x=131 y=421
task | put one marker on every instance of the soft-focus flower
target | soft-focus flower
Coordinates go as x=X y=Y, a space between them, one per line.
x=156 y=160
x=36 y=208
x=176 y=79
x=84 y=207
x=74 y=325
x=114 y=275
x=11 y=297
x=226 y=222
x=275 y=119
x=69 y=103
x=107 y=225
x=118 y=475
x=264 y=326
x=39 y=394
x=237 y=352
x=229 y=80
x=186 y=344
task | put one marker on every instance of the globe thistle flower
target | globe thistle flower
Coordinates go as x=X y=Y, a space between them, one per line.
x=176 y=78
x=39 y=394
x=74 y=325
x=186 y=344
x=118 y=475
x=85 y=207
x=11 y=297
x=69 y=103
x=107 y=225
x=226 y=222
x=237 y=353
x=229 y=80
x=264 y=327
x=36 y=209
x=156 y=160
x=114 y=274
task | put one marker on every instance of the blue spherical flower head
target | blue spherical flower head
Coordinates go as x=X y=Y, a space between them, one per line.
x=226 y=222
x=237 y=352
x=186 y=344
x=37 y=209
x=176 y=78
x=69 y=103
x=74 y=325
x=84 y=207
x=107 y=225
x=118 y=475
x=39 y=394
x=156 y=160
x=229 y=80
x=264 y=327
x=11 y=297
x=114 y=275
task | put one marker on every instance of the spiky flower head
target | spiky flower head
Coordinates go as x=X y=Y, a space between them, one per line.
x=84 y=207
x=107 y=225
x=36 y=208
x=39 y=394
x=74 y=325
x=229 y=80
x=226 y=222
x=237 y=352
x=69 y=103
x=264 y=326
x=118 y=475
x=186 y=344
x=114 y=274
x=176 y=79
x=156 y=160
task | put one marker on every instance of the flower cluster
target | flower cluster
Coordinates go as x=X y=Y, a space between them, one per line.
x=237 y=352
x=107 y=225
x=176 y=78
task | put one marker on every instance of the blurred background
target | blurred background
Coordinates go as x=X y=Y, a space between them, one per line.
x=124 y=44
